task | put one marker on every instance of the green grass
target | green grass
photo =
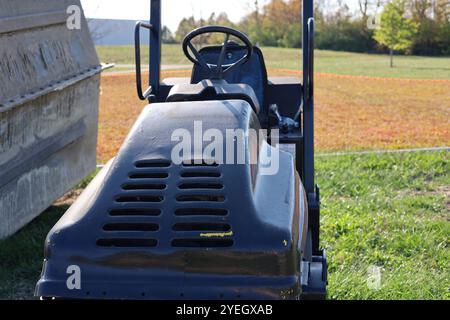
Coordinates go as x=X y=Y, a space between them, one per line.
x=336 y=62
x=21 y=255
x=389 y=211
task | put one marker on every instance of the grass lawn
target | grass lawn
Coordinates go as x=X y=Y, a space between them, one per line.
x=336 y=62
x=390 y=211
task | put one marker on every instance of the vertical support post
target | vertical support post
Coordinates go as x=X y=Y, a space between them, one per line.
x=308 y=103
x=308 y=124
x=155 y=46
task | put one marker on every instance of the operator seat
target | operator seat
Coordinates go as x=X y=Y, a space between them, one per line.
x=248 y=82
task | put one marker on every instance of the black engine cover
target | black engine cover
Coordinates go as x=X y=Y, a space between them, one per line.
x=146 y=228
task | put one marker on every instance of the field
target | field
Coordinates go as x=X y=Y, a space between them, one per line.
x=334 y=62
x=352 y=113
x=389 y=211
x=361 y=103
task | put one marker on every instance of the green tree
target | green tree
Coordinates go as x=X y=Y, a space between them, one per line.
x=166 y=35
x=396 y=30
x=186 y=25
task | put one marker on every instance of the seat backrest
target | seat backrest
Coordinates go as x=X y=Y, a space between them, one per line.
x=252 y=73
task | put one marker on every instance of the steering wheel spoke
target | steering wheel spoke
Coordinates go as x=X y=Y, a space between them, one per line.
x=223 y=52
x=234 y=65
x=199 y=57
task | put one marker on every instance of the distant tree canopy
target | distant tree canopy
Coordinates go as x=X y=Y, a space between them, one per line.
x=278 y=24
x=396 y=31
x=188 y=24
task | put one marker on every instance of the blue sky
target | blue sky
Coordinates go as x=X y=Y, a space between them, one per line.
x=173 y=10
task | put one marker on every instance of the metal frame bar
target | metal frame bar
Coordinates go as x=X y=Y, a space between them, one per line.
x=155 y=45
x=137 y=41
x=308 y=97
x=312 y=190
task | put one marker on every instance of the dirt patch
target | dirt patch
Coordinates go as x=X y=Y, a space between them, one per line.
x=441 y=191
x=69 y=198
x=445 y=190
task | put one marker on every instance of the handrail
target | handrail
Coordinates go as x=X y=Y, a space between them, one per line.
x=137 y=49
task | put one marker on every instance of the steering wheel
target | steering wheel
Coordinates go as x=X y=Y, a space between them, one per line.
x=219 y=70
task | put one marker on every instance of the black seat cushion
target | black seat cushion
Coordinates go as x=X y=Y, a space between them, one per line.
x=214 y=90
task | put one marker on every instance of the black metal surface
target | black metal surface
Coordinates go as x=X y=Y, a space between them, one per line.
x=148 y=226
x=317 y=278
x=155 y=45
x=308 y=102
x=311 y=30
x=308 y=123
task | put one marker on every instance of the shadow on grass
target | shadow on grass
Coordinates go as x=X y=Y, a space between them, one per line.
x=21 y=255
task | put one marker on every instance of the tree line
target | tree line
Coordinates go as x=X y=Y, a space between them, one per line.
x=420 y=27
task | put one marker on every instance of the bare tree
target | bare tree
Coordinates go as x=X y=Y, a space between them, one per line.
x=368 y=6
x=363 y=7
x=98 y=29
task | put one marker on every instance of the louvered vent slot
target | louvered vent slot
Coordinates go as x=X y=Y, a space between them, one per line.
x=216 y=186
x=201 y=163
x=132 y=222
x=135 y=212
x=201 y=212
x=131 y=227
x=200 y=174
x=141 y=186
x=140 y=198
x=127 y=242
x=201 y=226
x=208 y=233
x=202 y=243
x=201 y=170
x=201 y=198
x=152 y=164
x=148 y=175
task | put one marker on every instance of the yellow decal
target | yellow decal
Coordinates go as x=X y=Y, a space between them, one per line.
x=217 y=235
